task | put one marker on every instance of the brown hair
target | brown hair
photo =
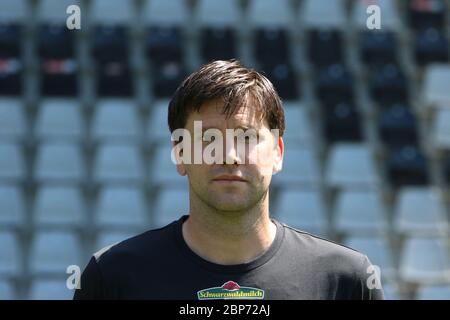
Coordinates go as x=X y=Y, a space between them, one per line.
x=234 y=84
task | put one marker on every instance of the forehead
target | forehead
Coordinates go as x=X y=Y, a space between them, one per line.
x=211 y=113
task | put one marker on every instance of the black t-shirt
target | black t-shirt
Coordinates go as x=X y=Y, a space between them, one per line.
x=158 y=264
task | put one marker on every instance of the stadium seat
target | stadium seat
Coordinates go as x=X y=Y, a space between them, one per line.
x=56 y=45
x=60 y=119
x=426 y=14
x=424 y=260
x=121 y=207
x=377 y=249
x=164 y=22
x=334 y=84
x=61 y=206
x=167 y=78
x=12 y=206
x=441 y=130
x=298 y=125
x=388 y=85
x=60 y=162
x=55 y=41
x=342 y=123
x=378 y=48
x=397 y=126
x=325 y=47
x=407 y=165
x=435 y=89
x=434 y=292
x=420 y=211
x=165 y=13
x=50 y=289
x=284 y=80
x=11 y=33
x=12 y=163
x=302 y=209
x=53 y=251
x=6 y=290
x=12 y=119
x=431 y=46
x=323 y=14
x=162 y=169
x=13 y=11
x=111 y=12
x=299 y=168
x=170 y=205
x=12 y=17
x=157 y=127
x=10 y=250
x=116 y=119
x=54 y=11
x=118 y=163
x=218 y=36
x=359 y=212
x=269 y=13
x=351 y=165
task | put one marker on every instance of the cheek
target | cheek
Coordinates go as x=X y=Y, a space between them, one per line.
x=262 y=156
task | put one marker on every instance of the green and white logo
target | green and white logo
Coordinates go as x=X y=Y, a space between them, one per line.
x=230 y=290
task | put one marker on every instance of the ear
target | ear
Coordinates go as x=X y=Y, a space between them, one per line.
x=278 y=157
x=181 y=169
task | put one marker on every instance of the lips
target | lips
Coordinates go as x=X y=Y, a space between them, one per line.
x=229 y=178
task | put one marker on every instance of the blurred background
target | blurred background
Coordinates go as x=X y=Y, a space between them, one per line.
x=85 y=147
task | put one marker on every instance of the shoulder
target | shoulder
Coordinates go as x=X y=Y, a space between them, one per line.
x=143 y=245
x=325 y=254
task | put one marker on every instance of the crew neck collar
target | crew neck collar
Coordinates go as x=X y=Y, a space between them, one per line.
x=235 y=268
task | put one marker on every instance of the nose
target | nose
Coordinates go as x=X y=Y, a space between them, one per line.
x=232 y=155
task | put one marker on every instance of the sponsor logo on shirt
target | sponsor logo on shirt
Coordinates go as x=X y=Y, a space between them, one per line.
x=230 y=290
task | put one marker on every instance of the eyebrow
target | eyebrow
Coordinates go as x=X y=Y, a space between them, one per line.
x=244 y=127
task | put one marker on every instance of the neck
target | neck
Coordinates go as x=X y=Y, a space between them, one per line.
x=229 y=238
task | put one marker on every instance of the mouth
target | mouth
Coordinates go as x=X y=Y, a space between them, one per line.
x=228 y=179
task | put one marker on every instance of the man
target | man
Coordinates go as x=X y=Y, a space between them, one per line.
x=228 y=246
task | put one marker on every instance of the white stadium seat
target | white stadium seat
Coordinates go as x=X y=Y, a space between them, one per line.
x=116 y=119
x=424 y=260
x=170 y=206
x=302 y=209
x=319 y=14
x=53 y=251
x=12 y=163
x=59 y=206
x=359 y=211
x=218 y=13
x=165 y=13
x=112 y=11
x=435 y=86
x=299 y=167
x=10 y=262
x=13 y=10
x=351 y=165
x=59 y=119
x=60 y=162
x=420 y=211
x=12 y=119
x=12 y=206
x=54 y=10
x=121 y=207
x=118 y=163
x=270 y=13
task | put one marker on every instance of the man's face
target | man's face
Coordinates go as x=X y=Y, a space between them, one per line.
x=236 y=186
